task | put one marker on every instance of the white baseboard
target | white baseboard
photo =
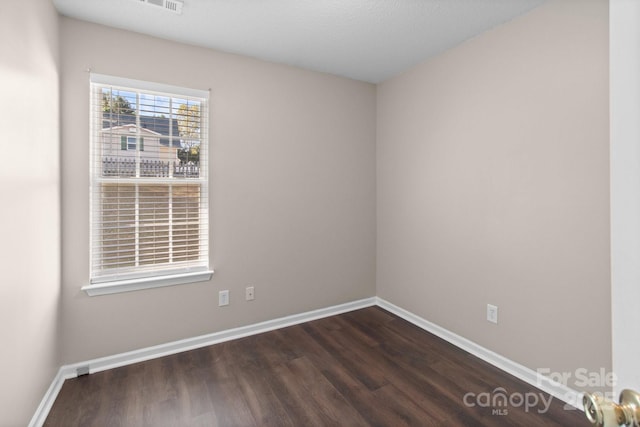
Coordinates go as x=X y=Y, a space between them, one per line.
x=571 y=397
x=46 y=403
x=135 y=356
x=556 y=390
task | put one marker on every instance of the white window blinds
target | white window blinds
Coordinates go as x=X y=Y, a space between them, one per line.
x=149 y=196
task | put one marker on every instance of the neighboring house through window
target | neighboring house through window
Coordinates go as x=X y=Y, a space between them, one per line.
x=149 y=196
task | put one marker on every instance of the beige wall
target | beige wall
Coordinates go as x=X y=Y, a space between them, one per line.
x=292 y=192
x=493 y=187
x=29 y=212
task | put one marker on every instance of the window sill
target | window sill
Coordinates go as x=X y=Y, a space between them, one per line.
x=146 y=283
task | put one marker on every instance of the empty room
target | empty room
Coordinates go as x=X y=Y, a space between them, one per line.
x=292 y=213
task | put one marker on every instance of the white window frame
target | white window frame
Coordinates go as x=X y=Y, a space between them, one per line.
x=132 y=143
x=101 y=284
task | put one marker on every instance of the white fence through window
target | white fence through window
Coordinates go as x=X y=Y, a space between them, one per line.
x=118 y=167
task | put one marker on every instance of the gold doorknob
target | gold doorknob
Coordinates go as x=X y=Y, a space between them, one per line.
x=605 y=413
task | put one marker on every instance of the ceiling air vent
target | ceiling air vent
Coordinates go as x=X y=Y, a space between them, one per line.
x=174 y=6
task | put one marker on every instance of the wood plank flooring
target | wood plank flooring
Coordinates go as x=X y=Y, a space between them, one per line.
x=363 y=368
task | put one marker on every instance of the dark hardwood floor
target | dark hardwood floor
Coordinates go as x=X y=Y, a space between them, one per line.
x=363 y=368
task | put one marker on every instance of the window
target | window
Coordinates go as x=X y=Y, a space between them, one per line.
x=131 y=143
x=149 y=195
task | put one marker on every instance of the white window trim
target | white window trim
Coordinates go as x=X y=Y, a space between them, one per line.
x=140 y=283
x=141 y=85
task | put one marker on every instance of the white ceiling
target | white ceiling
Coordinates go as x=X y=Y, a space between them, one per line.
x=369 y=40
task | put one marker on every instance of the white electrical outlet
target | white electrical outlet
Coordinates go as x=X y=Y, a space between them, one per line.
x=492 y=313
x=249 y=293
x=223 y=298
